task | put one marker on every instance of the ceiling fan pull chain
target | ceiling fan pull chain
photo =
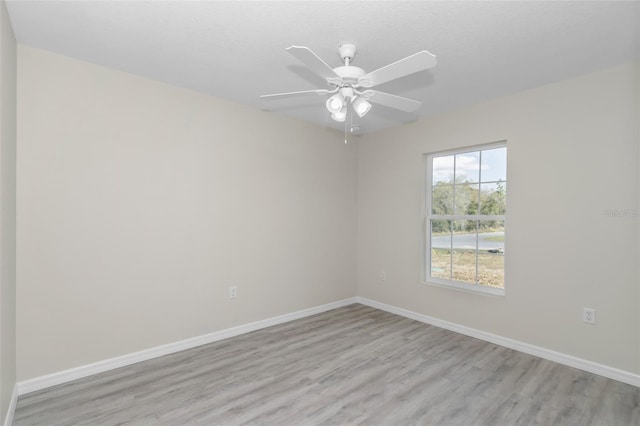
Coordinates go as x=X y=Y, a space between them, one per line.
x=345 y=128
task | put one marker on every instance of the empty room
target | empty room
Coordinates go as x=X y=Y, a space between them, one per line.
x=319 y=212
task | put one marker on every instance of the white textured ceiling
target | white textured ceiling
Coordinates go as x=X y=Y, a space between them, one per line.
x=236 y=50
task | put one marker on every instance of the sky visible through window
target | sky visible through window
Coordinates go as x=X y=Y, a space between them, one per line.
x=469 y=167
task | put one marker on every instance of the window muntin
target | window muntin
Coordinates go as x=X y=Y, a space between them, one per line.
x=465 y=218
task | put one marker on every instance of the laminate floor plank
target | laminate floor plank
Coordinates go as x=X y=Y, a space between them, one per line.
x=351 y=366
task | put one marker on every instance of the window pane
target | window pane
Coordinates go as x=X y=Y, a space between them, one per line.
x=442 y=199
x=441 y=249
x=493 y=198
x=443 y=169
x=466 y=199
x=441 y=263
x=467 y=167
x=494 y=165
x=491 y=253
x=470 y=186
x=441 y=233
x=464 y=251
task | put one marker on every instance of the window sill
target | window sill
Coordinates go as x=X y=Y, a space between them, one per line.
x=467 y=288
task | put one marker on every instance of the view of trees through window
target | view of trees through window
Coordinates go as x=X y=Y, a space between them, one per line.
x=467 y=216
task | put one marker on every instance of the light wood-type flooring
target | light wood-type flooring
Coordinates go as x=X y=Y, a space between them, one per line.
x=353 y=365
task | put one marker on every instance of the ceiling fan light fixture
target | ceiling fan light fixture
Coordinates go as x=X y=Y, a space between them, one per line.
x=340 y=116
x=361 y=106
x=335 y=103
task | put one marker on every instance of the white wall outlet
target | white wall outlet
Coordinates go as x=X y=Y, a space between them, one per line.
x=383 y=275
x=589 y=315
x=233 y=292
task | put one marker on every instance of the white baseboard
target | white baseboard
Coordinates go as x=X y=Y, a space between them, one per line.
x=560 y=358
x=65 y=376
x=8 y=420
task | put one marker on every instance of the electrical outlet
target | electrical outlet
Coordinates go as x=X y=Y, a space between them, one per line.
x=383 y=275
x=589 y=315
x=233 y=292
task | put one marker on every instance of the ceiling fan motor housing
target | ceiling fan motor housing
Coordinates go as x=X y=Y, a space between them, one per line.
x=349 y=74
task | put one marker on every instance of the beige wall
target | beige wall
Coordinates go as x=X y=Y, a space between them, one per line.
x=140 y=203
x=7 y=211
x=572 y=153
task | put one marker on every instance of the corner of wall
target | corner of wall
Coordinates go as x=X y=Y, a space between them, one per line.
x=637 y=114
x=7 y=216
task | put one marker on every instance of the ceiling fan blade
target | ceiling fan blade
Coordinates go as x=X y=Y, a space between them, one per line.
x=303 y=92
x=392 y=101
x=417 y=62
x=313 y=61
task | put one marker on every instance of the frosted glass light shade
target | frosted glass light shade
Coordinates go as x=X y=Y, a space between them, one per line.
x=360 y=106
x=335 y=103
x=340 y=116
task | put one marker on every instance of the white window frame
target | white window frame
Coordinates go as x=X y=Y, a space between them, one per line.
x=427 y=216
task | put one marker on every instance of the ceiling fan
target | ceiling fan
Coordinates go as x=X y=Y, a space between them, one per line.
x=351 y=86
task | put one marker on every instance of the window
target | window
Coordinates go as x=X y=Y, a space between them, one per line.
x=465 y=218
